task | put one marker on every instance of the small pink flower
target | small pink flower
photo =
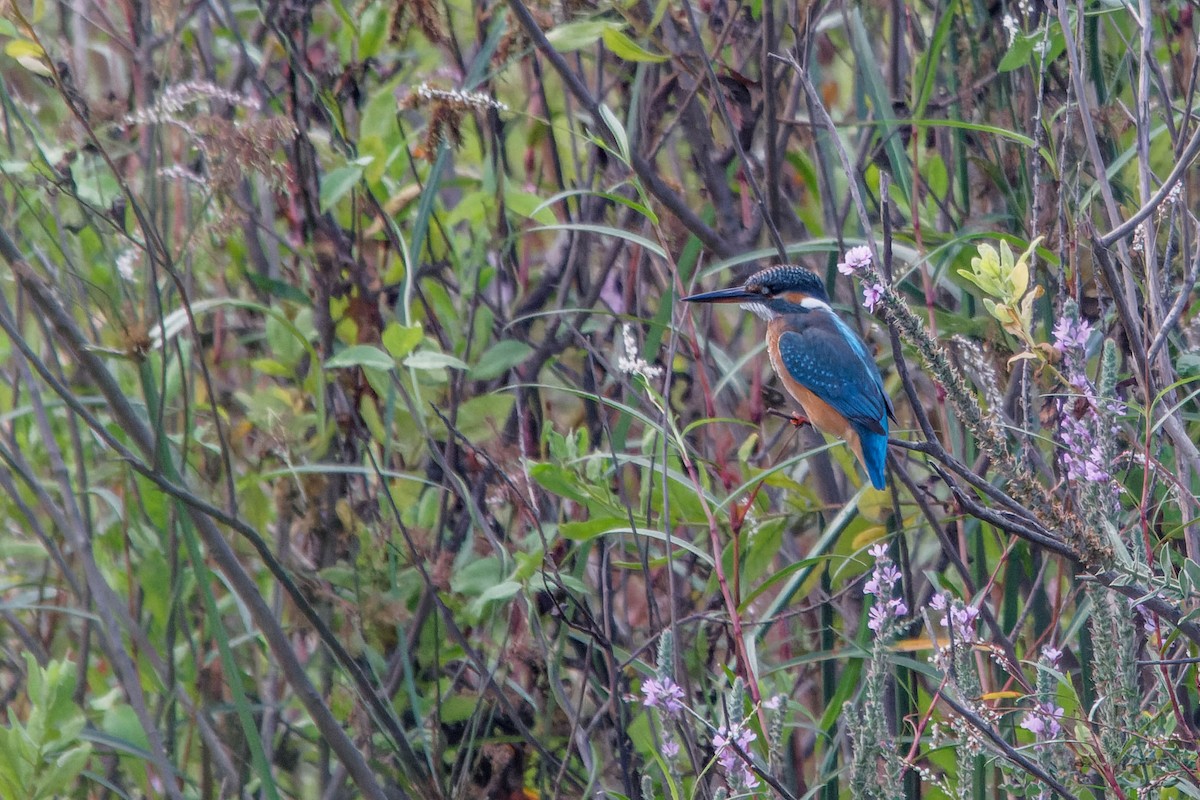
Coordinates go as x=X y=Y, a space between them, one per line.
x=736 y=769
x=856 y=259
x=1034 y=724
x=882 y=580
x=1052 y=655
x=877 y=618
x=1071 y=334
x=872 y=296
x=963 y=622
x=664 y=694
x=670 y=748
x=1043 y=721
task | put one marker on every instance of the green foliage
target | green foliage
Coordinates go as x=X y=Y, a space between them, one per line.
x=44 y=755
x=1006 y=279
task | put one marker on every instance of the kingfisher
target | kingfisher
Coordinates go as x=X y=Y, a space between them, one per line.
x=822 y=362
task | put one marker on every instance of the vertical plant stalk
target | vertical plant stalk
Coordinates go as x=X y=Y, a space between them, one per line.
x=875 y=768
x=1115 y=665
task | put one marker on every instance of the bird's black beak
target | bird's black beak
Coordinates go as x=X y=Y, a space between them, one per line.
x=734 y=294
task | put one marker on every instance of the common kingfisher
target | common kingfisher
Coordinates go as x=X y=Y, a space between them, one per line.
x=822 y=362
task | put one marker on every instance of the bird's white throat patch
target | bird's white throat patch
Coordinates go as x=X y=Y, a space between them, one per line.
x=760 y=310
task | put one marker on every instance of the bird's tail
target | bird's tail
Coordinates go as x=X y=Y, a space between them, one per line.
x=874 y=456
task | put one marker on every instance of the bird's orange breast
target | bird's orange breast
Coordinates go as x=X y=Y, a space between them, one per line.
x=817 y=410
x=819 y=413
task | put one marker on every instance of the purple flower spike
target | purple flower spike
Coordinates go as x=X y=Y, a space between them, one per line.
x=736 y=770
x=1071 y=334
x=882 y=583
x=1043 y=721
x=665 y=695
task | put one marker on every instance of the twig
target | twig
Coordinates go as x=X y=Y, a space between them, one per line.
x=1126 y=228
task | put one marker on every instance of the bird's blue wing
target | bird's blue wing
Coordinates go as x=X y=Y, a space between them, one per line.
x=837 y=368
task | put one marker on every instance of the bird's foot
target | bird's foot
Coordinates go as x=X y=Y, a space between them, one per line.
x=797 y=419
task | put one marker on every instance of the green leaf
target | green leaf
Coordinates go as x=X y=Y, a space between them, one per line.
x=285 y=347
x=530 y=205
x=269 y=366
x=1191 y=570
x=401 y=339
x=1026 y=49
x=64 y=771
x=618 y=131
x=17 y=756
x=20 y=48
x=1188 y=364
x=29 y=55
x=370 y=417
x=476 y=576
x=505 y=590
x=501 y=591
x=431 y=359
x=612 y=197
x=481 y=418
x=373 y=31
x=936 y=176
x=561 y=482
x=336 y=183
x=577 y=35
x=627 y=49
x=277 y=288
x=121 y=723
x=457 y=708
x=1018 y=54
x=499 y=359
x=361 y=355
x=608 y=230
x=591 y=528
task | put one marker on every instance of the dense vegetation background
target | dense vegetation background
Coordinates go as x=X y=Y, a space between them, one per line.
x=354 y=441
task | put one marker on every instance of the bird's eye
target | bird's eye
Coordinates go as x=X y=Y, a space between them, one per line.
x=763 y=290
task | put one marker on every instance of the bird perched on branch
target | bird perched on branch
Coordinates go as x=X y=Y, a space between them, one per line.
x=822 y=362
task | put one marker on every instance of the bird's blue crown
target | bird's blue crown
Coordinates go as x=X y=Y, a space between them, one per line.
x=774 y=281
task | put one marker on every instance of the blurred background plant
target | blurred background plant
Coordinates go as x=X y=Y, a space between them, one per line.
x=354 y=443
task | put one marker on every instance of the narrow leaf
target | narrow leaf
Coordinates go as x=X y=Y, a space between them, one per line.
x=361 y=355
x=627 y=49
x=428 y=359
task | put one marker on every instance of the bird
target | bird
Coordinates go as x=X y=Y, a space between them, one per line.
x=822 y=362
